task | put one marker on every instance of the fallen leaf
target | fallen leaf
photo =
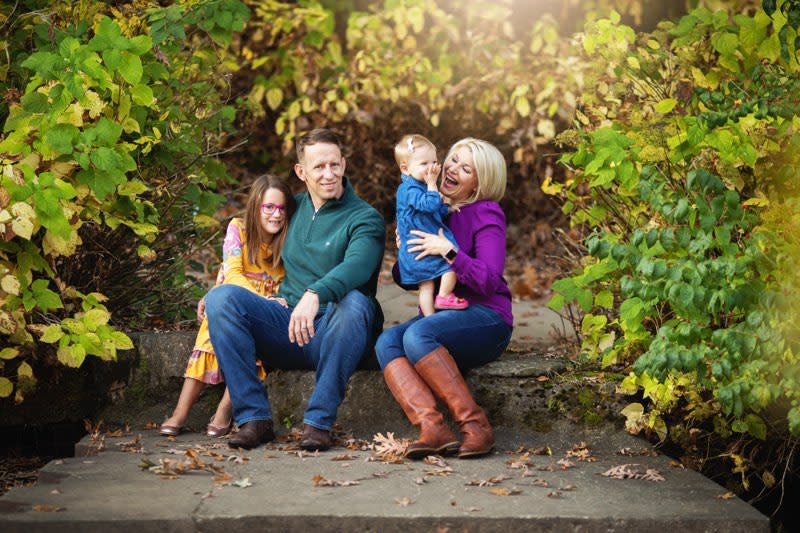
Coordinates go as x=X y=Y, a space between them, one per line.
x=629 y=471
x=541 y=483
x=55 y=491
x=565 y=464
x=224 y=477
x=581 y=453
x=441 y=472
x=151 y=425
x=343 y=457
x=491 y=482
x=320 y=481
x=45 y=508
x=388 y=448
x=403 y=502
x=567 y=488
x=471 y=509
x=727 y=496
x=420 y=481
x=555 y=494
x=242 y=483
x=436 y=460
x=503 y=491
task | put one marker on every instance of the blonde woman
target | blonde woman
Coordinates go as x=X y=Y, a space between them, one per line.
x=421 y=358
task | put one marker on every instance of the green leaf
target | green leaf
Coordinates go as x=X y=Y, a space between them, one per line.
x=112 y=58
x=95 y=317
x=666 y=105
x=130 y=68
x=121 y=341
x=140 y=44
x=61 y=137
x=604 y=299
x=725 y=43
x=142 y=95
x=107 y=132
x=35 y=102
x=105 y=158
x=52 y=333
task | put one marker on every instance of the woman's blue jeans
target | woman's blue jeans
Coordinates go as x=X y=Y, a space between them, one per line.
x=474 y=336
x=244 y=325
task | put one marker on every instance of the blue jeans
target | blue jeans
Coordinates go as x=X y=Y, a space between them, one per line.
x=474 y=336
x=244 y=325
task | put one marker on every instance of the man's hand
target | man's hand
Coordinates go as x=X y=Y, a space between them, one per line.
x=301 y=323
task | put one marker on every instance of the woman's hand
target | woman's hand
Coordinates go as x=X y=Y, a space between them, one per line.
x=201 y=309
x=429 y=244
x=397 y=238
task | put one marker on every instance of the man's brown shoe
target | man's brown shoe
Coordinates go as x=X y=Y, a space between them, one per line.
x=315 y=439
x=252 y=434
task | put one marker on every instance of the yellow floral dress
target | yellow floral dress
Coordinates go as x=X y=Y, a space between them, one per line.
x=237 y=269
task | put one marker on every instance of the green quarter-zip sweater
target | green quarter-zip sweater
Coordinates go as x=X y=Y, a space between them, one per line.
x=333 y=251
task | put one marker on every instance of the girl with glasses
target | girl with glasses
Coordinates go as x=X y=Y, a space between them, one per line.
x=251 y=255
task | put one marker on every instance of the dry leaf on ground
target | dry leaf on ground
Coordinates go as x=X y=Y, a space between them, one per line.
x=403 y=502
x=631 y=471
x=320 y=481
x=503 y=491
x=435 y=460
x=581 y=452
x=491 y=482
x=45 y=508
x=388 y=448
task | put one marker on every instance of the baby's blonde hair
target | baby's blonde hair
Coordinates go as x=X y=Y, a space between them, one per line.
x=408 y=145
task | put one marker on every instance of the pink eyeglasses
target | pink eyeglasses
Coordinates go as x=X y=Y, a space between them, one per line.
x=268 y=209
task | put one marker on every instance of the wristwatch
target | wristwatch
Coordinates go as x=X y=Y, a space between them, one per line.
x=451 y=254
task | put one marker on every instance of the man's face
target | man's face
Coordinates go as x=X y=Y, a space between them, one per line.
x=322 y=170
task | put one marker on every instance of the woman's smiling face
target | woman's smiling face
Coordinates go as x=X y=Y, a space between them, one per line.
x=459 y=179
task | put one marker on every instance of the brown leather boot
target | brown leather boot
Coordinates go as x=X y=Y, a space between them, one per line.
x=253 y=433
x=441 y=373
x=419 y=405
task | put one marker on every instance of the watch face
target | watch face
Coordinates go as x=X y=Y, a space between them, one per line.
x=451 y=255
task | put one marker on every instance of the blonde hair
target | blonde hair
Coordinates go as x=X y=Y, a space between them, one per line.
x=490 y=167
x=408 y=145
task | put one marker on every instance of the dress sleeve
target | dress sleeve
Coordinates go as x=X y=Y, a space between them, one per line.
x=232 y=270
x=425 y=201
x=482 y=271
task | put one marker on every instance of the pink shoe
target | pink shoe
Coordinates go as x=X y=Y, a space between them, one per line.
x=451 y=301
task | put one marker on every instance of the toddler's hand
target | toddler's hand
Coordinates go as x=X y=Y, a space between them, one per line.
x=431 y=177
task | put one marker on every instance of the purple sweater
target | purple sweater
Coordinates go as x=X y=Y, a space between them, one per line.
x=480 y=232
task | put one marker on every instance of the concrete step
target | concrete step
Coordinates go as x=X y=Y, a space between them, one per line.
x=278 y=488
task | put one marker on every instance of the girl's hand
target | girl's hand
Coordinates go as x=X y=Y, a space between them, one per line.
x=201 y=309
x=280 y=300
x=429 y=244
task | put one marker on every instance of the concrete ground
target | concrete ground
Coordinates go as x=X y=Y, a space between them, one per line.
x=567 y=478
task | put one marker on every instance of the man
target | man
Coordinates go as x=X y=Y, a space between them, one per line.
x=332 y=256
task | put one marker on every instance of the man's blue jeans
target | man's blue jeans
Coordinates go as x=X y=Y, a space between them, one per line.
x=474 y=336
x=244 y=325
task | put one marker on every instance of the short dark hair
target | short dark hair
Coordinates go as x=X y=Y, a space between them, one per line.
x=316 y=136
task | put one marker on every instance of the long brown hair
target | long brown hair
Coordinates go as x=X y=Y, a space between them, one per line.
x=256 y=235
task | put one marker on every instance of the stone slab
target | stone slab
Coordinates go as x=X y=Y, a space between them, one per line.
x=278 y=491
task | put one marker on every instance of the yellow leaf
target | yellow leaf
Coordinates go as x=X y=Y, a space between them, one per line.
x=652 y=43
x=759 y=202
x=8 y=353
x=523 y=106
x=10 y=284
x=583 y=119
x=633 y=63
x=274 y=98
x=546 y=128
x=52 y=333
x=22 y=227
x=8 y=324
x=435 y=120
x=25 y=370
x=6 y=387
